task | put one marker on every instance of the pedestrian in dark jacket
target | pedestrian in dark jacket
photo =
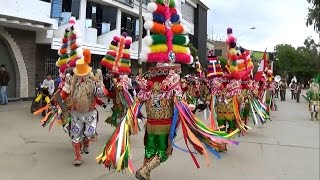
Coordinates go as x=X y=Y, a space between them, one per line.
x=4 y=81
x=298 y=92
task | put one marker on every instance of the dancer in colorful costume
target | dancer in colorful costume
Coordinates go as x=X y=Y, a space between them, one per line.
x=77 y=95
x=270 y=91
x=117 y=61
x=161 y=92
x=192 y=93
x=313 y=95
x=239 y=68
x=82 y=91
x=69 y=52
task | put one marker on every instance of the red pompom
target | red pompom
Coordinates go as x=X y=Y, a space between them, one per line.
x=112 y=53
x=126 y=56
x=65 y=40
x=173 y=10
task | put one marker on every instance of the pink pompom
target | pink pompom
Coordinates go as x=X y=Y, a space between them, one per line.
x=158 y=58
x=72 y=63
x=230 y=39
x=127 y=42
x=63 y=68
x=72 y=21
x=116 y=38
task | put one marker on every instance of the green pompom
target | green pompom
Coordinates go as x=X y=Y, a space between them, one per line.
x=73 y=53
x=172 y=4
x=179 y=40
x=160 y=2
x=159 y=39
x=125 y=61
x=64 y=56
x=108 y=56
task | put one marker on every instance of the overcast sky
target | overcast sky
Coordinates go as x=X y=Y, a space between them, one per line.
x=276 y=22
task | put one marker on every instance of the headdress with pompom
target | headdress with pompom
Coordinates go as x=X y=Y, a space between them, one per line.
x=169 y=39
x=70 y=50
x=117 y=59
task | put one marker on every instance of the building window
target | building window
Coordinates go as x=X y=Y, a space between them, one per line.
x=62 y=10
x=103 y=18
x=218 y=52
x=144 y=1
x=187 y=12
x=130 y=25
x=127 y=2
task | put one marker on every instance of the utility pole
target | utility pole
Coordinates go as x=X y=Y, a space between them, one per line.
x=140 y=32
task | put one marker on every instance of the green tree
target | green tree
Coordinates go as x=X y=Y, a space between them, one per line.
x=313 y=17
x=300 y=62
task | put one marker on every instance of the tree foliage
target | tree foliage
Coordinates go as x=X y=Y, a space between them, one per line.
x=313 y=17
x=302 y=62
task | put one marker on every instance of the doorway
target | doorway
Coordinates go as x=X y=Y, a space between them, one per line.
x=7 y=59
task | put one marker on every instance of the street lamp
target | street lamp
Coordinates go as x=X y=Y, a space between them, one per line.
x=252 y=28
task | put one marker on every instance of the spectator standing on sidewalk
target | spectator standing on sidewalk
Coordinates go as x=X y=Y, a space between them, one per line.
x=292 y=86
x=298 y=92
x=277 y=88
x=283 y=89
x=4 y=81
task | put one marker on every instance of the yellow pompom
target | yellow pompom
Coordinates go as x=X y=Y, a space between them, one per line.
x=61 y=62
x=159 y=48
x=181 y=49
x=233 y=68
x=112 y=47
x=232 y=51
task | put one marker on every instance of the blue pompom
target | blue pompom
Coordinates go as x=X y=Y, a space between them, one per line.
x=175 y=18
x=64 y=46
x=159 y=18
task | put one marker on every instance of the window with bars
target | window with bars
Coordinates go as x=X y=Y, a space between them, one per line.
x=50 y=67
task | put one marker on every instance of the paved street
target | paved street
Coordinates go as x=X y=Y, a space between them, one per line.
x=285 y=149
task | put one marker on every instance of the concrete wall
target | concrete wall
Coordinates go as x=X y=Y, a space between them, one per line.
x=221 y=45
x=26 y=42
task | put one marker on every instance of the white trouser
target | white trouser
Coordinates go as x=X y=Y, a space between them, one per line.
x=83 y=125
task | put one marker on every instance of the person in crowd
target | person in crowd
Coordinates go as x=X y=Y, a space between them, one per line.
x=130 y=86
x=50 y=85
x=49 y=82
x=277 y=89
x=282 y=88
x=292 y=86
x=298 y=91
x=4 y=81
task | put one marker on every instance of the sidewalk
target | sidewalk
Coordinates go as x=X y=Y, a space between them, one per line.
x=285 y=149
